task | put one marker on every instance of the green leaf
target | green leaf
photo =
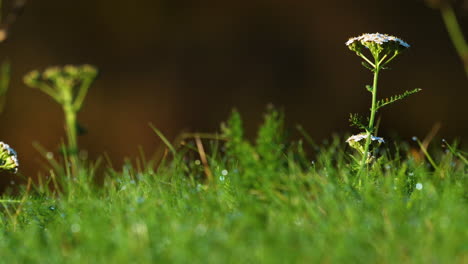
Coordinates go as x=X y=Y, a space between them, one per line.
x=395 y=98
x=369 y=88
x=367 y=66
x=357 y=121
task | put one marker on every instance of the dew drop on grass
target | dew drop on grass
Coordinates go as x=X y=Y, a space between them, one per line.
x=49 y=155
x=199 y=187
x=75 y=228
x=197 y=162
x=414 y=138
x=140 y=230
x=52 y=208
x=224 y=172
x=221 y=178
x=200 y=230
x=419 y=186
x=140 y=200
x=411 y=173
x=299 y=221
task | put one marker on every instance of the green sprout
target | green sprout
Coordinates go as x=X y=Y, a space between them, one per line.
x=8 y=158
x=68 y=86
x=383 y=49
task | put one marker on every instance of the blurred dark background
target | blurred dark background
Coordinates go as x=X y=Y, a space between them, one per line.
x=183 y=65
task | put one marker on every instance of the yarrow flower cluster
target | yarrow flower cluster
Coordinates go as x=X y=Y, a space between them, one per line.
x=68 y=86
x=358 y=141
x=8 y=158
x=359 y=137
x=376 y=38
x=383 y=48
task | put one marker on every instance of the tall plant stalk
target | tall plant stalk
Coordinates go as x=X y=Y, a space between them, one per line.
x=384 y=49
x=370 y=128
x=455 y=34
x=68 y=86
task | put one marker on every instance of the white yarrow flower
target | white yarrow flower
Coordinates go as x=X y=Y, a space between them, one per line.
x=359 y=137
x=8 y=158
x=377 y=38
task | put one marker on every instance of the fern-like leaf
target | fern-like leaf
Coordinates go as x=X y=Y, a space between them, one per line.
x=357 y=121
x=395 y=98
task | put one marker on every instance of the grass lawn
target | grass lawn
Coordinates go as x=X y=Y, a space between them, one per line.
x=238 y=202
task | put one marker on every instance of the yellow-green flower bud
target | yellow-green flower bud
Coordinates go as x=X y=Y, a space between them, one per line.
x=32 y=78
x=51 y=73
x=71 y=70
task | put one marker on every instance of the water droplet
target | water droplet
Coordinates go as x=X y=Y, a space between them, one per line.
x=414 y=138
x=140 y=200
x=299 y=221
x=49 y=155
x=140 y=229
x=199 y=187
x=411 y=173
x=224 y=172
x=419 y=186
x=75 y=228
x=52 y=208
x=200 y=229
x=197 y=162
x=221 y=178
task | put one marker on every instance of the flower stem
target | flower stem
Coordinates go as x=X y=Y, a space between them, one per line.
x=70 y=121
x=9 y=201
x=370 y=128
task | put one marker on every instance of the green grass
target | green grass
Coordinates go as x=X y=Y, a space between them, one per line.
x=274 y=206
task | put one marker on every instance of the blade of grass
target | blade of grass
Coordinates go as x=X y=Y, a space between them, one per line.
x=164 y=139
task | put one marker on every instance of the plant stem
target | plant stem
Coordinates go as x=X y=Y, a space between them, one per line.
x=455 y=33
x=9 y=201
x=72 y=150
x=370 y=128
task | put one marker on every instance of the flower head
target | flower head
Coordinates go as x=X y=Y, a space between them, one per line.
x=383 y=47
x=356 y=142
x=359 y=137
x=377 y=38
x=8 y=158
